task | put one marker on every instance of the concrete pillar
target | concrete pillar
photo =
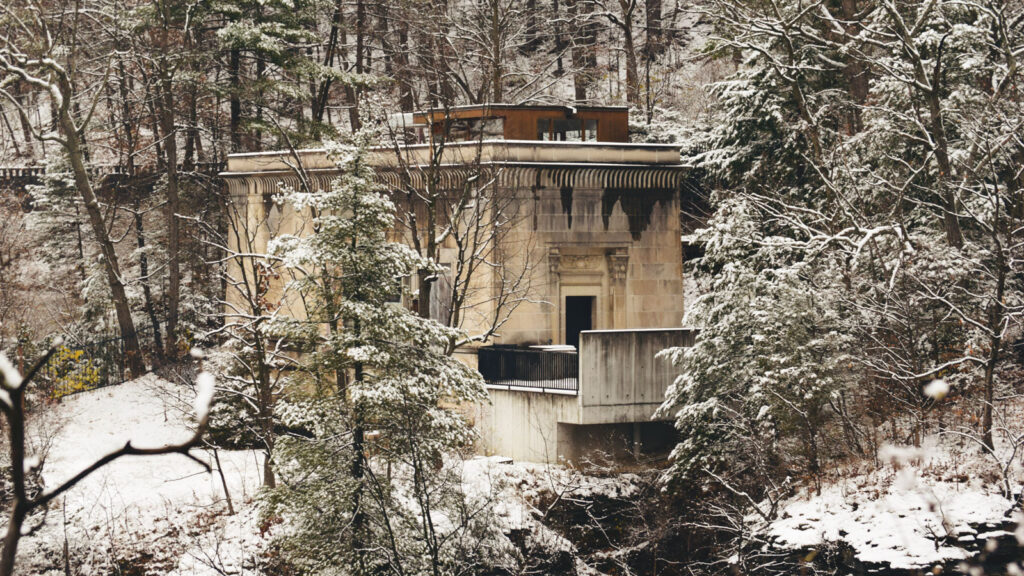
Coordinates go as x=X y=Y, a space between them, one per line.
x=554 y=263
x=618 y=265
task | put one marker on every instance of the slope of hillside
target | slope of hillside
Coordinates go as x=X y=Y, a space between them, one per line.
x=922 y=507
x=167 y=515
x=137 y=509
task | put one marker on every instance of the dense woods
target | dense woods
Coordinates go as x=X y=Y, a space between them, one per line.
x=855 y=219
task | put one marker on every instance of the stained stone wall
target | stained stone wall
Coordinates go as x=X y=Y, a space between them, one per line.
x=620 y=245
x=606 y=231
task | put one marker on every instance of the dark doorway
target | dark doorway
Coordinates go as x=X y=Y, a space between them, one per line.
x=579 y=316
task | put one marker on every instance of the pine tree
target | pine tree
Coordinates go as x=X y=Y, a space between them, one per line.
x=376 y=368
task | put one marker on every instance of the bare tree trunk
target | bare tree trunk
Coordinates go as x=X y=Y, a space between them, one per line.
x=188 y=157
x=223 y=482
x=531 y=38
x=951 y=222
x=147 y=294
x=632 y=74
x=234 y=88
x=322 y=93
x=265 y=399
x=19 y=507
x=14 y=137
x=559 y=37
x=496 y=32
x=654 y=44
x=927 y=84
x=73 y=147
x=855 y=72
x=405 y=97
x=996 y=313
x=351 y=98
x=26 y=129
x=624 y=22
x=580 y=71
x=166 y=110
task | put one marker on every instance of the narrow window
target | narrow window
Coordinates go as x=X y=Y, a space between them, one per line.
x=590 y=130
x=543 y=129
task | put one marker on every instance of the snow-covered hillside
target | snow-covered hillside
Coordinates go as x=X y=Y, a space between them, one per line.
x=137 y=509
x=921 y=507
x=167 y=515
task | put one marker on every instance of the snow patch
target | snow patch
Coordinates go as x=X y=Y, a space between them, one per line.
x=908 y=516
x=147 y=503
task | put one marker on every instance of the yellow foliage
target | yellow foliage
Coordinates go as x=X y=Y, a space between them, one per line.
x=73 y=372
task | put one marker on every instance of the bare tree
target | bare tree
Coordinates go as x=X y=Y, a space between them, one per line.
x=622 y=15
x=463 y=220
x=259 y=355
x=42 y=70
x=13 y=388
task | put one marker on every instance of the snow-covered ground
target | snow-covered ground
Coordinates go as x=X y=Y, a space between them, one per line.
x=136 y=506
x=169 y=513
x=920 y=508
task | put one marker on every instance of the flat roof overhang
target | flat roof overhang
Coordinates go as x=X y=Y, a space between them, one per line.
x=471 y=110
x=527 y=153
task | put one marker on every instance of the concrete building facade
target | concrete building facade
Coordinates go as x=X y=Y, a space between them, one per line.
x=594 y=228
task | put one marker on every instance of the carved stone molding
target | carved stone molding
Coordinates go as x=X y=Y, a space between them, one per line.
x=554 y=259
x=580 y=262
x=618 y=264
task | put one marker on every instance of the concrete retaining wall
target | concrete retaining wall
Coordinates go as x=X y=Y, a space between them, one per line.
x=621 y=379
x=524 y=425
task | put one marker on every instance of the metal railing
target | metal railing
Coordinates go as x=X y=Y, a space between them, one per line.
x=79 y=367
x=512 y=368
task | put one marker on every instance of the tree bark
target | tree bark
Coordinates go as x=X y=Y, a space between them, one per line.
x=19 y=507
x=147 y=294
x=73 y=147
x=166 y=108
x=855 y=73
x=654 y=44
x=496 y=33
x=625 y=23
x=234 y=87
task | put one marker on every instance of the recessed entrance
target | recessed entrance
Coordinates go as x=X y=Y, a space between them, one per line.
x=579 y=316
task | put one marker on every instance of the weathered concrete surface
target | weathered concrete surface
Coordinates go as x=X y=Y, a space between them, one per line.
x=621 y=384
x=577 y=219
x=524 y=425
x=538 y=427
x=621 y=377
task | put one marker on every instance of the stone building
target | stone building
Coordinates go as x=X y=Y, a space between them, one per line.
x=593 y=230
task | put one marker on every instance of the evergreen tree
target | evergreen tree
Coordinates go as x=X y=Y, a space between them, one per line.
x=867 y=229
x=376 y=369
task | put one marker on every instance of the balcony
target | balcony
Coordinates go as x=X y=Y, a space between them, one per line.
x=616 y=375
x=541 y=369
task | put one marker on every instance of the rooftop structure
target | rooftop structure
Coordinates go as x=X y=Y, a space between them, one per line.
x=541 y=123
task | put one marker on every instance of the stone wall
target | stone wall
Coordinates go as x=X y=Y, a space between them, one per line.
x=621 y=246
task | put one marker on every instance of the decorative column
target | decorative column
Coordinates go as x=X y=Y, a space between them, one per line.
x=618 y=266
x=554 y=296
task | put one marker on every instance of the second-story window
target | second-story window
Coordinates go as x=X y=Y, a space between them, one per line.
x=461 y=130
x=567 y=130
